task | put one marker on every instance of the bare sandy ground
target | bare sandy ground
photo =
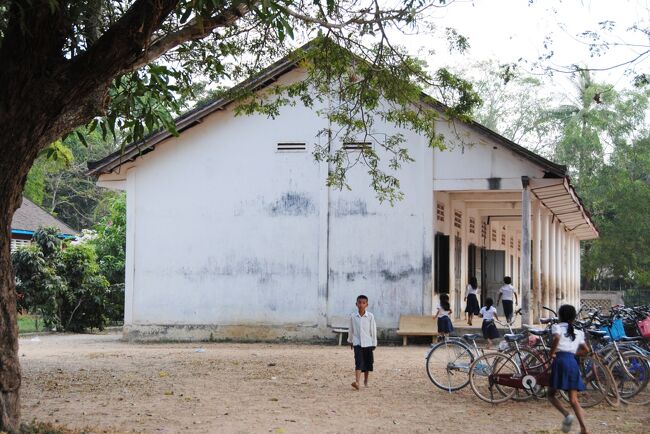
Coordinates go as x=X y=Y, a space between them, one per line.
x=101 y=382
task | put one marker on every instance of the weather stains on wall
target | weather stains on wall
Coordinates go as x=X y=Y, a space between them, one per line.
x=292 y=204
x=265 y=271
x=344 y=208
x=392 y=276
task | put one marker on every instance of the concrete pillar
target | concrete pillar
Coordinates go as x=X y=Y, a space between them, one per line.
x=574 y=285
x=577 y=273
x=545 y=259
x=552 y=284
x=571 y=292
x=558 y=265
x=525 y=252
x=537 y=263
x=561 y=284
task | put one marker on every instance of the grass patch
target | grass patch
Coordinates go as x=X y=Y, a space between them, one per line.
x=29 y=324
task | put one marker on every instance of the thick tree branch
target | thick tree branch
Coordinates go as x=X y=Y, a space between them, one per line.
x=123 y=43
x=198 y=28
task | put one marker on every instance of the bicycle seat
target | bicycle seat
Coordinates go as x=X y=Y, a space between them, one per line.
x=631 y=338
x=472 y=336
x=599 y=333
x=539 y=332
x=514 y=337
x=546 y=320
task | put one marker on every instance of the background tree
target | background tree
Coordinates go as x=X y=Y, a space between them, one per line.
x=63 y=286
x=513 y=103
x=601 y=135
x=123 y=66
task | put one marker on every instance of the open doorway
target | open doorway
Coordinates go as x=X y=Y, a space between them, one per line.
x=493 y=271
x=441 y=263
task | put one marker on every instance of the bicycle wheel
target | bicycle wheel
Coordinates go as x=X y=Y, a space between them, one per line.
x=448 y=364
x=631 y=374
x=487 y=371
x=597 y=380
x=531 y=364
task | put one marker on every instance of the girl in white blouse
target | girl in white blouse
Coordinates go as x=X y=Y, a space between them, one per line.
x=489 y=314
x=471 y=299
x=565 y=373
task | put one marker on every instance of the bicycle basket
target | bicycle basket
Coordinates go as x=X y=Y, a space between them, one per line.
x=644 y=327
x=616 y=331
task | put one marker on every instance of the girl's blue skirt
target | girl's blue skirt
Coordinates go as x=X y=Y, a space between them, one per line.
x=444 y=325
x=565 y=373
x=489 y=329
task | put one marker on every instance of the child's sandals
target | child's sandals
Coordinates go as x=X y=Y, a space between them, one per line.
x=567 y=422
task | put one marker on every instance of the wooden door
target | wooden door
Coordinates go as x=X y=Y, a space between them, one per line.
x=458 y=253
x=494 y=268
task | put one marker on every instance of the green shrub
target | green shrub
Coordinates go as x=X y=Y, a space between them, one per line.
x=64 y=286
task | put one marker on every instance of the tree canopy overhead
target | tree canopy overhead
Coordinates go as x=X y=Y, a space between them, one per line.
x=125 y=68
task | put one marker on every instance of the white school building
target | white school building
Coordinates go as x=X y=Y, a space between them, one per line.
x=232 y=232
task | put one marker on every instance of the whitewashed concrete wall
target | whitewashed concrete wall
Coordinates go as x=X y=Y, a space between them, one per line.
x=228 y=238
x=383 y=251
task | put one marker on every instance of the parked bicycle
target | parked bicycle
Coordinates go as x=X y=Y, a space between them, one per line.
x=448 y=361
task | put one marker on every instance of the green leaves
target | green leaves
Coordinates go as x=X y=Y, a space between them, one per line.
x=62 y=285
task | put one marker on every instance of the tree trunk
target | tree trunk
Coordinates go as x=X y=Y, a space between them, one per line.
x=9 y=364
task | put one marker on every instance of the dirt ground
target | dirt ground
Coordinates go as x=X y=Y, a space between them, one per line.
x=98 y=381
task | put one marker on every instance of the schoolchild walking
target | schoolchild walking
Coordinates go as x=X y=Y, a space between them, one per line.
x=565 y=373
x=489 y=329
x=362 y=337
x=507 y=292
x=443 y=313
x=471 y=300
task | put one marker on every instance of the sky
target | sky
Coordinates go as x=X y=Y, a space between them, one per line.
x=510 y=30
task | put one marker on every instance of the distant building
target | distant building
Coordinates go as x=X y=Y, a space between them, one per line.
x=232 y=232
x=29 y=218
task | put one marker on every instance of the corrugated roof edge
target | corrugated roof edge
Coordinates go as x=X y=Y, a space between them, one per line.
x=262 y=79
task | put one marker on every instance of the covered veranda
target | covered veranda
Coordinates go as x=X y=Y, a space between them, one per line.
x=530 y=231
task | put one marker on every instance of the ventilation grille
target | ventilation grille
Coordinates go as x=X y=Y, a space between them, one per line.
x=292 y=147
x=483 y=230
x=458 y=219
x=519 y=245
x=356 y=146
x=440 y=212
x=472 y=225
x=494 y=235
x=503 y=238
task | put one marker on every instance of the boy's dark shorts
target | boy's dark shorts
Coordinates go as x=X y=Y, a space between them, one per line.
x=363 y=358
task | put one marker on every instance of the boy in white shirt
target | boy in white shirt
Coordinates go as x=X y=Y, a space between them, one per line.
x=362 y=337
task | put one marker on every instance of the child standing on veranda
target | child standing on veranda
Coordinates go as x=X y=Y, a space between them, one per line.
x=507 y=292
x=443 y=313
x=489 y=329
x=565 y=373
x=362 y=337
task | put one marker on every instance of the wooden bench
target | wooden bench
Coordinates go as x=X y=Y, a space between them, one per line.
x=340 y=326
x=417 y=325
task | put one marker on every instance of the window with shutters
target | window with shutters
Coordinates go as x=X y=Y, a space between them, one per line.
x=15 y=244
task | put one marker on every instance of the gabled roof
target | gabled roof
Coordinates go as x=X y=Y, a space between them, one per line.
x=30 y=217
x=264 y=79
